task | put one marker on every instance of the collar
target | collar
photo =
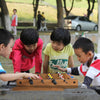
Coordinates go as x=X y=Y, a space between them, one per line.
x=94 y=58
x=85 y=68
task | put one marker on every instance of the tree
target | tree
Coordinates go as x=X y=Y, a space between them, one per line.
x=5 y=15
x=60 y=19
x=90 y=9
x=66 y=10
x=98 y=45
x=35 y=7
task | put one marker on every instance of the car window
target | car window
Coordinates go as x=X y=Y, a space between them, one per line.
x=84 y=19
x=70 y=17
x=81 y=19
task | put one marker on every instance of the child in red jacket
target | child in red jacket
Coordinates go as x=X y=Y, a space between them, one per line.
x=14 y=22
x=27 y=52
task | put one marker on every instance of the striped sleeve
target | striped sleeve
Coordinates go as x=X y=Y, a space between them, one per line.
x=73 y=71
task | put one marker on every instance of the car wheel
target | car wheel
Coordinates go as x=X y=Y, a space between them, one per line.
x=96 y=28
x=78 y=28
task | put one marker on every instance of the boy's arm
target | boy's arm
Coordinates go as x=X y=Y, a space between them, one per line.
x=70 y=61
x=91 y=74
x=87 y=82
x=38 y=58
x=16 y=57
x=16 y=20
x=74 y=70
x=45 y=64
x=11 y=77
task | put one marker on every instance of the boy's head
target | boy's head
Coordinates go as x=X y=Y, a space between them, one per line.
x=84 y=49
x=38 y=12
x=6 y=42
x=42 y=12
x=29 y=38
x=14 y=11
x=60 y=37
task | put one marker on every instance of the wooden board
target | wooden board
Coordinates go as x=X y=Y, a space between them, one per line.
x=37 y=89
x=46 y=83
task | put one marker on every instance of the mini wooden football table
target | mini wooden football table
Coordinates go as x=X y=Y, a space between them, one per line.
x=47 y=82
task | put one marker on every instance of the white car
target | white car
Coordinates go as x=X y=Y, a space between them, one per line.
x=79 y=23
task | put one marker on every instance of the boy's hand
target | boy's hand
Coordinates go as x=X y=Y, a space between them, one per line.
x=30 y=75
x=61 y=69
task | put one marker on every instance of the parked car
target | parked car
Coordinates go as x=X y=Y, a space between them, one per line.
x=79 y=23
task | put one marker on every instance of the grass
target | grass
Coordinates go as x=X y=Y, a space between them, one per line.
x=20 y=1
x=25 y=10
x=77 y=4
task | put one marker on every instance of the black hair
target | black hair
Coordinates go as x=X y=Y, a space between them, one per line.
x=85 y=44
x=15 y=10
x=5 y=37
x=29 y=36
x=61 y=35
x=38 y=12
x=42 y=12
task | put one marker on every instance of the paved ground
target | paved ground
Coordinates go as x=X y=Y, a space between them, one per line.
x=93 y=37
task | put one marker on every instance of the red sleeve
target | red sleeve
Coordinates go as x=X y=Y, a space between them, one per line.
x=16 y=56
x=38 y=57
x=16 y=59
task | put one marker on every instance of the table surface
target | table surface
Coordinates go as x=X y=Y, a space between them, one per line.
x=66 y=94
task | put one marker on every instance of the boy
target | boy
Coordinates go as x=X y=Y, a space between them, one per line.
x=6 y=44
x=14 y=22
x=90 y=67
x=27 y=52
x=39 y=20
x=43 y=17
x=59 y=51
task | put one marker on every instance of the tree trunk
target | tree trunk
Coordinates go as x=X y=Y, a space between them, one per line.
x=60 y=19
x=98 y=45
x=0 y=16
x=5 y=16
x=90 y=10
x=35 y=6
x=66 y=10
